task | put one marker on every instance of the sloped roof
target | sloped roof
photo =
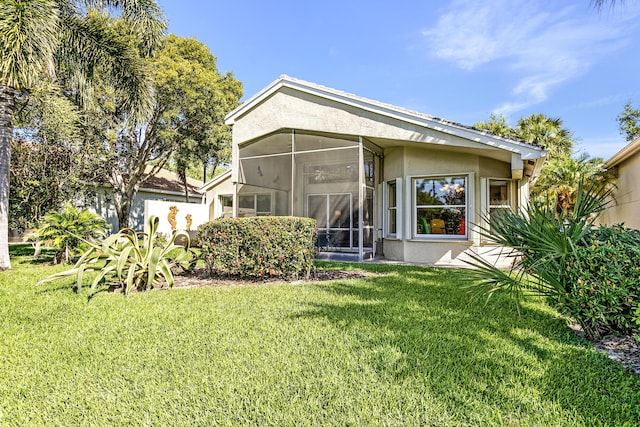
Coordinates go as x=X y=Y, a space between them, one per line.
x=627 y=151
x=468 y=132
x=166 y=180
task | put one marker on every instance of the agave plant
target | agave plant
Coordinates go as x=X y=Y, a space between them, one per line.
x=133 y=260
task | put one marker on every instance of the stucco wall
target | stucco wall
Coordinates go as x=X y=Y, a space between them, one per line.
x=290 y=109
x=413 y=161
x=103 y=205
x=627 y=205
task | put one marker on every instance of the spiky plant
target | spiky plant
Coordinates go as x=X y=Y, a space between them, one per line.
x=132 y=260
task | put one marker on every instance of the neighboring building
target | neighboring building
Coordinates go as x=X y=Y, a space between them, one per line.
x=165 y=185
x=379 y=179
x=626 y=207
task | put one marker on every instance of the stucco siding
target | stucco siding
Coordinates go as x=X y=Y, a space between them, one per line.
x=627 y=197
x=289 y=109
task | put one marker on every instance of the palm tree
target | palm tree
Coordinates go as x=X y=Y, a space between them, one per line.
x=547 y=132
x=66 y=230
x=560 y=178
x=61 y=40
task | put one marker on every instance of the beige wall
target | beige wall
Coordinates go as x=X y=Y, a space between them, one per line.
x=290 y=109
x=413 y=161
x=627 y=204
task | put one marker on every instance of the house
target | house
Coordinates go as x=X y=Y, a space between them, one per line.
x=165 y=186
x=626 y=208
x=380 y=180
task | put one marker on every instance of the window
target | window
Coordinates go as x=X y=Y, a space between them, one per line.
x=392 y=208
x=502 y=196
x=254 y=205
x=226 y=205
x=440 y=206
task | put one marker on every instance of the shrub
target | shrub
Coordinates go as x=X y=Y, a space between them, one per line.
x=67 y=231
x=134 y=260
x=259 y=246
x=549 y=250
x=604 y=277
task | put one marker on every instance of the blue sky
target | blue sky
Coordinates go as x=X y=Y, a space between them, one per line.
x=460 y=60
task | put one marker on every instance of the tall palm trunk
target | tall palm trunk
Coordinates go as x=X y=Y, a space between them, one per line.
x=7 y=105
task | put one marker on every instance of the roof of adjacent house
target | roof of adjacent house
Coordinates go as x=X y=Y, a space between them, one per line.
x=215 y=181
x=421 y=119
x=168 y=181
x=627 y=151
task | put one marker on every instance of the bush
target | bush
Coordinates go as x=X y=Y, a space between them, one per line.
x=67 y=231
x=550 y=249
x=259 y=246
x=604 y=277
x=134 y=260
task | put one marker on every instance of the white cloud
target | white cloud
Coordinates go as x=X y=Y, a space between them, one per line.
x=539 y=46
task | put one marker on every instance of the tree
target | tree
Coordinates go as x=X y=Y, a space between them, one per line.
x=68 y=229
x=58 y=39
x=195 y=98
x=497 y=125
x=191 y=101
x=629 y=122
x=549 y=133
x=560 y=178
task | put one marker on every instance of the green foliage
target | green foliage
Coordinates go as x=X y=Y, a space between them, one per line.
x=629 y=122
x=193 y=98
x=259 y=246
x=559 y=179
x=69 y=229
x=543 y=243
x=133 y=260
x=603 y=277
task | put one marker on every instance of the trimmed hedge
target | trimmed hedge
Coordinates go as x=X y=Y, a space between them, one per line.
x=604 y=273
x=254 y=247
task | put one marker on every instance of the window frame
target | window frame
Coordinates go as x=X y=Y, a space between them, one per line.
x=468 y=206
x=513 y=192
x=254 y=210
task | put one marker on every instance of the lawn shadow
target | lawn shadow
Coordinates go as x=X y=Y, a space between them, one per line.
x=473 y=353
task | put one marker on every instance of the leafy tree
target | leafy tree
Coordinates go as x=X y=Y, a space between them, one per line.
x=47 y=38
x=68 y=229
x=560 y=177
x=195 y=97
x=187 y=116
x=629 y=122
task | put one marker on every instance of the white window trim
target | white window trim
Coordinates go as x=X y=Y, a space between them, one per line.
x=515 y=192
x=399 y=212
x=410 y=197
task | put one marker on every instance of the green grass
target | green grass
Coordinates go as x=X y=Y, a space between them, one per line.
x=406 y=347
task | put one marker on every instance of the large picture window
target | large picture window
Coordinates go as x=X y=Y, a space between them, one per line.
x=440 y=206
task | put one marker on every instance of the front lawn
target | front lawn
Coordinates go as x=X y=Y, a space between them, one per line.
x=406 y=347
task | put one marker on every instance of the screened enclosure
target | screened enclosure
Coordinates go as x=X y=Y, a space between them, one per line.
x=327 y=177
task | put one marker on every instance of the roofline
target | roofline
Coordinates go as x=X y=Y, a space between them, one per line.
x=215 y=181
x=627 y=151
x=152 y=190
x=528 y=151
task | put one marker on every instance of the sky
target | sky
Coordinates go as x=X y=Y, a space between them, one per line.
x=461 y=60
